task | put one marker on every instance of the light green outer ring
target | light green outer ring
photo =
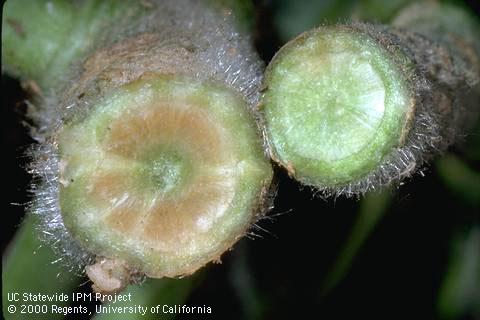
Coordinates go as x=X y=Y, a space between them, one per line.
x=391 y=131
x=252 y=178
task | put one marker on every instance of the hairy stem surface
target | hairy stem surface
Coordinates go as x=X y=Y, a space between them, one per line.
x=351 y=108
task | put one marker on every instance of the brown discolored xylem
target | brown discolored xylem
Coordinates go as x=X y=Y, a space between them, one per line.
x=151 y=161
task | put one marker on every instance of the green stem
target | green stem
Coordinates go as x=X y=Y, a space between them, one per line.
x=152 y=157
x=242 y=10
x=180 y=198
x=351 y=108
x=443 y=22
x=44 y=40
x=29 y=267
x=335 y=105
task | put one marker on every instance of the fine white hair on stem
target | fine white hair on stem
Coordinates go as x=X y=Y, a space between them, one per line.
x=213 y=49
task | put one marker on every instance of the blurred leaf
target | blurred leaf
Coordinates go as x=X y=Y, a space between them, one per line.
x=378 y=10
x=460 y=292
x=152 y=293
x=473 y=143
x=372 y=208
x=243 y=281
x=462 y=180
x=294 y=17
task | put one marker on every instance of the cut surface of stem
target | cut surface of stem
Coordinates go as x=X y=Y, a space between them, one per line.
x=166 y=174
x=335 y=104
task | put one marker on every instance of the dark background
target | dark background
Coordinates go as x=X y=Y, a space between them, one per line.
x=396 y=274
